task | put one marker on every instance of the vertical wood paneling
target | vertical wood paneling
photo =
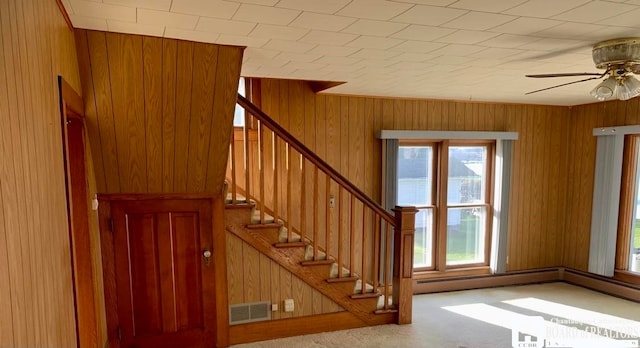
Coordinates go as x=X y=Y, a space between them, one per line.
x=345 y=129
x=36 y=294
x=254 y=277
x=161 y=111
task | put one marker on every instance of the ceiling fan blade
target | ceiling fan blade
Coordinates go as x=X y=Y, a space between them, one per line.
x=565 y=75
x=564 y=84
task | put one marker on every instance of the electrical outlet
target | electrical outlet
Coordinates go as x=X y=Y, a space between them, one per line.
x=274 y=307
x=288 y=305
x=332 y=201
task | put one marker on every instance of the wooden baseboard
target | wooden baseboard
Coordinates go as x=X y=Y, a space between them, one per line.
x=606 y=285
x=267 y=330
x=425 y=286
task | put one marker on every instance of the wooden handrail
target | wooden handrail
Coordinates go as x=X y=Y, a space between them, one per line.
x=315 y=159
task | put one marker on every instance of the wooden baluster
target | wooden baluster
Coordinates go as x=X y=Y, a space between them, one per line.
x=352 y=237
x=247 y=160
x=303 y=198
x=387 y=264
x=327 y=232
x=363 y=275
x=233 y=167
x=340 y=231
x=261 y=156
x=403 y=262
x=376 y=251
x=288 y=202
x=315 y=212
x=276 y=164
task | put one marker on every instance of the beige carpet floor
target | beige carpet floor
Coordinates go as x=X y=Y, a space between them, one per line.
x=482 y=319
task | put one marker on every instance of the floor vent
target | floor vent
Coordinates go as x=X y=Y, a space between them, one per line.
x=249 y=312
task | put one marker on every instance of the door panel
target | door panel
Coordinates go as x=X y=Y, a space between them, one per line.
x=164 y=284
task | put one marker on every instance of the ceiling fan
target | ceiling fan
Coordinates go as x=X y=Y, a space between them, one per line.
x=620 y=59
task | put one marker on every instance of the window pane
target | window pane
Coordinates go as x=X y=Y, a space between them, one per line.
x=466 y=235
x=415 y=168
x=467 y=174
x=423 y=243
x=635 y=226
x=238 y=116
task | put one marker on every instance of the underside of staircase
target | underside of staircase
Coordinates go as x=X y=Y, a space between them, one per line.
x=297 y=256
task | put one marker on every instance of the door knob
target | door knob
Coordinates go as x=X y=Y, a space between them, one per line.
x=207 y=257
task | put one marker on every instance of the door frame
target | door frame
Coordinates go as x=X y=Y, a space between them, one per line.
x=78 y=207
x=219 y=259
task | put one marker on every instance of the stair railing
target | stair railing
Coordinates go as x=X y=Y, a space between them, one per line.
x=318 y=206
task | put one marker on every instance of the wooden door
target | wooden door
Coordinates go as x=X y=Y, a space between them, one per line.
x=164 y=283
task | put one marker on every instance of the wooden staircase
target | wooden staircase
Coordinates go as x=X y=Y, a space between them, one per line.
x=350 y=259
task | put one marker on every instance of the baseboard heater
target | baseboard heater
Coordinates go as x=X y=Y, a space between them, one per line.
x=249 y=312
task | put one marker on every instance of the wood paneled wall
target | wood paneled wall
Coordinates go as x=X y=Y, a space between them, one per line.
x=341 y=130
x=159 y=111
x=581 y=164
x=254 y=277
x=36 y=296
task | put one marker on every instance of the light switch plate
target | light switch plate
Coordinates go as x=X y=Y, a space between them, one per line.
x=274 y=307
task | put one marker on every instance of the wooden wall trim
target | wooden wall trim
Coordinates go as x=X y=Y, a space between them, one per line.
x=424 y=286
x=65 y=14
x=603 y=284
x=267 y=330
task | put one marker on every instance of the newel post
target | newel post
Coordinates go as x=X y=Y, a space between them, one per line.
x=403 y=261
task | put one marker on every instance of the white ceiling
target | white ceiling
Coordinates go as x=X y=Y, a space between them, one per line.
x=441 y=49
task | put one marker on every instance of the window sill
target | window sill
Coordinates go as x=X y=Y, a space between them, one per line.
x=457 y=272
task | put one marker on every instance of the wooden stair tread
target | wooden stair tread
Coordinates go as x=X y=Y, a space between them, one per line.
x=366 y=295
x=317 y=262
x=385 y=311
x=265 y=225
x=238 y=206
x=290 y=244
x=342 y=279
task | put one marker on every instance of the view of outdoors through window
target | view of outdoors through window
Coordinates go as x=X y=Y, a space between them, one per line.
x=238 y=116
x=466 y=202
x=635 y=226
x=466 y=211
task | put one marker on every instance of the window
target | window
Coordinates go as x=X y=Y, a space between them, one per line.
x=238 y=116
x=631 y=217
x=449 y=183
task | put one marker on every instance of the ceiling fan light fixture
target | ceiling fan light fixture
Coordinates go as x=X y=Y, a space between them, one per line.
x=605 y=89
x=629 y=88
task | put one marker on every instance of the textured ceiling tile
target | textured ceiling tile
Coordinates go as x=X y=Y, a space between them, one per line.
x=322 y=21
x=628 y=19
x=467 y=37
x=162 y=5
x=162 y=18
x=135 y=28
x=525 y=26
x=374 y=28
x=570 y=30
x=289 y=46
x=545 y=8
x=239 y=40
x=496 y=53
x=323 y=6
x=487 y=5
x=298 y=57
x=418 y=46
x=190 y=35
x=415 y=57
x=257 y=2
x=265 y=14
x=334 y=51
x=338 y=60
x=550 y=44
x=259 y=53
x=595 y=11
x=328 y=38
x=429 y=15
x=278 y=32
x=374 y=9
x=224 y=26
x=100 y=10
x=430 y=2
x=368 y=53
x=509 y=41
x=374 y=42
x=88 y=22
x=459 y=50
x=422 y=33
x=478 y=21
x=207 y=8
